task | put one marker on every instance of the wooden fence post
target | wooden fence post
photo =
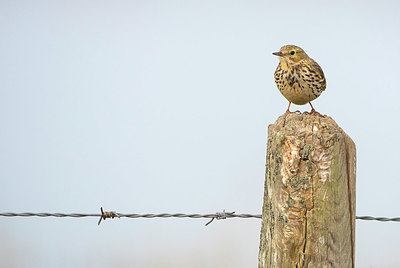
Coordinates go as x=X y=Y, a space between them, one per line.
x=308 y=217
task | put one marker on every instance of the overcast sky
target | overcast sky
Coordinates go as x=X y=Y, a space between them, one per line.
x=163 y=106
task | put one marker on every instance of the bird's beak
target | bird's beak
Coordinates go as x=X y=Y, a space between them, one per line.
x=278 y=54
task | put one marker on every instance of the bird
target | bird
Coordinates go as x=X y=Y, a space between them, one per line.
x=298 y=77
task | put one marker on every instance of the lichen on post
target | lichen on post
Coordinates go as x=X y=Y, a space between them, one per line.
x=308 y=217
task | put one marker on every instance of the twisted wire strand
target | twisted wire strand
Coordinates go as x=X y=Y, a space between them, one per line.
x=369 y=218
x=45 y=214
x=112 y=214
x=219 y=216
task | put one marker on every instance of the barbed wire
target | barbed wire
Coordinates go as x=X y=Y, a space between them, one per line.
x=112 y=214
x=369 y=218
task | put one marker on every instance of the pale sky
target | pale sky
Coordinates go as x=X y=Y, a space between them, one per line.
x=162 y=106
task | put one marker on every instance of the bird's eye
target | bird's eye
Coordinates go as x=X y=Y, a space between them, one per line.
x=292 y=52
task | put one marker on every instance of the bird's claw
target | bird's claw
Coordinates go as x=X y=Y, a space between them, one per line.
x=295 y=112
x=314 y=112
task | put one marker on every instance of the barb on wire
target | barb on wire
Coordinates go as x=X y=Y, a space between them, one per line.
x=112 y=214
x=221 y=216
x=107 y=215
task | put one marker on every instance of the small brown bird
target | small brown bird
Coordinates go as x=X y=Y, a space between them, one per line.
x=298 y=77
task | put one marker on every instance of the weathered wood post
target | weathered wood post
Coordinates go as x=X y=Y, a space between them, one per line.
x=308 y=217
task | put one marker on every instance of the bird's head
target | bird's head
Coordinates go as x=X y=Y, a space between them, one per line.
x=291 y=54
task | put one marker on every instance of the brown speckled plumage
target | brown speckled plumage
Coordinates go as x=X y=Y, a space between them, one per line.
x=298 y=77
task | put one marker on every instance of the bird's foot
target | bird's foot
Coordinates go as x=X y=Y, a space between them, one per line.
x=314 y=112
x=295 y=112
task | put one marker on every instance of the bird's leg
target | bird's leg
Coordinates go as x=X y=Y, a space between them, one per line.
x=312 y=109
x=287 y=110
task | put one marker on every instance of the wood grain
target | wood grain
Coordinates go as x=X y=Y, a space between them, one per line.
x=309 y=197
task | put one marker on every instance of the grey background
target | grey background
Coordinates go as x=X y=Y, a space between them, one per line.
x=162 y=106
